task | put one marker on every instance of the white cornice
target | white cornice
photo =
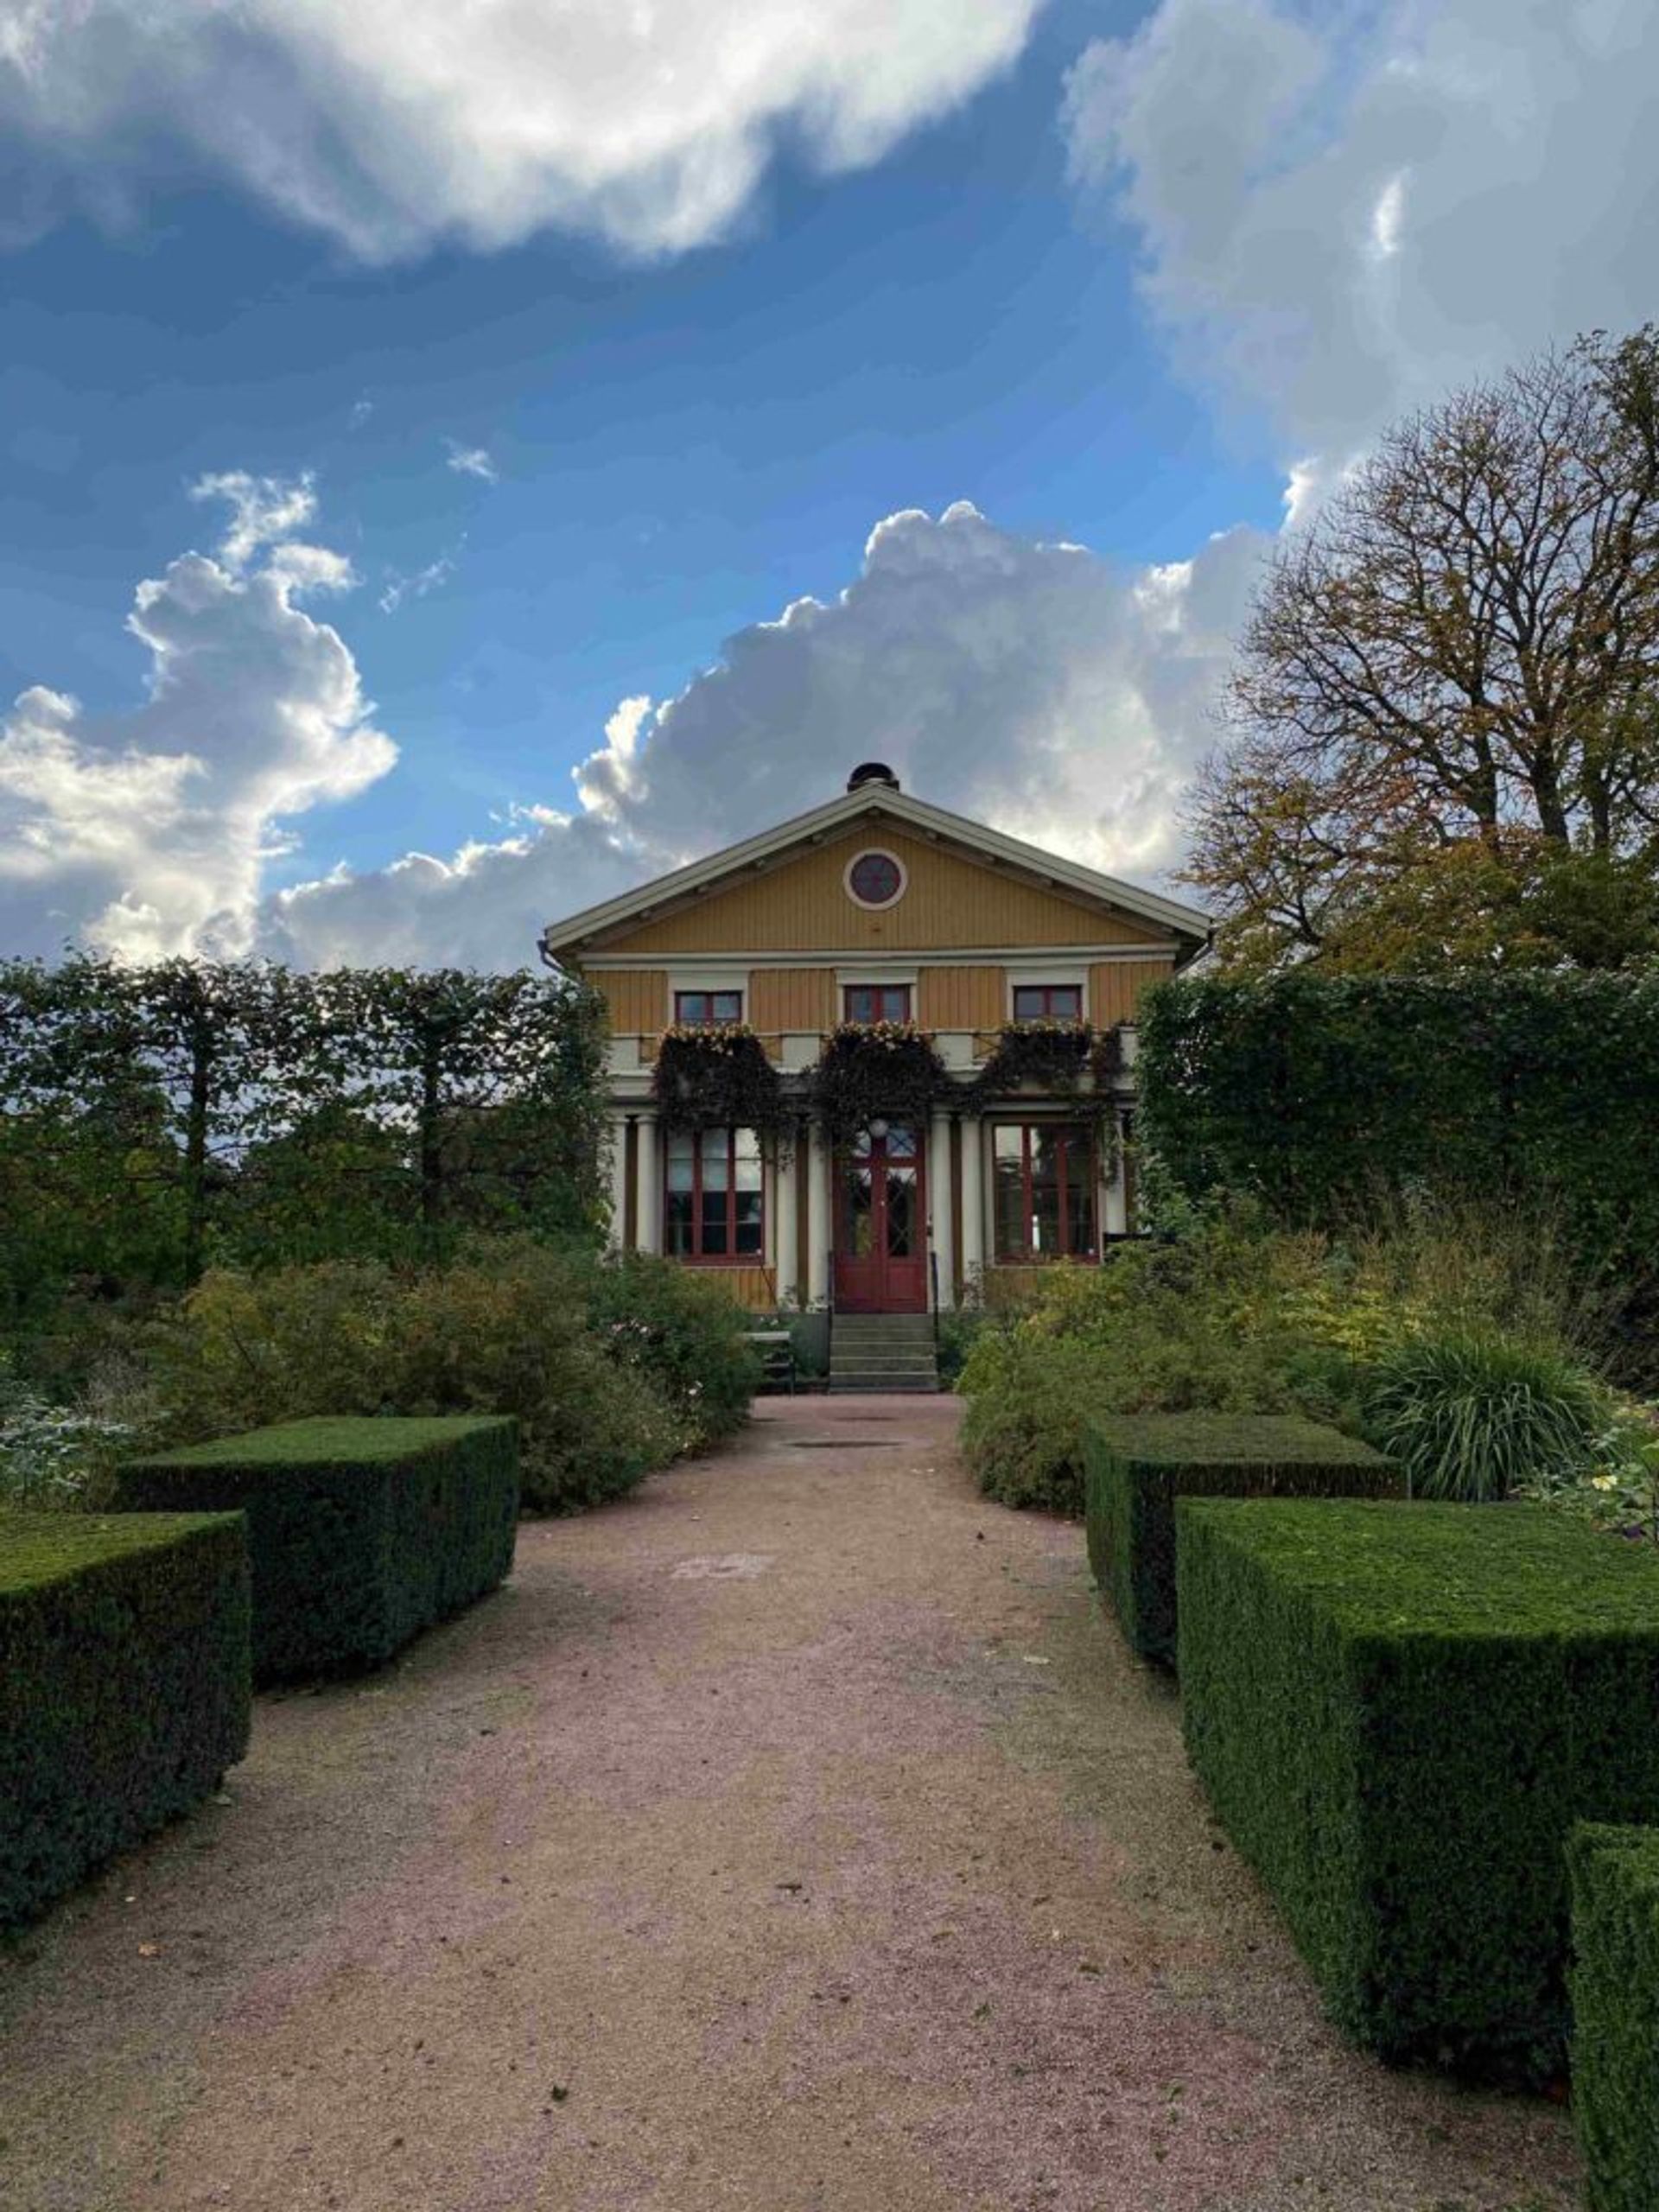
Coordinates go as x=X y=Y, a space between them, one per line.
x=984 y=956
x=1189 y=924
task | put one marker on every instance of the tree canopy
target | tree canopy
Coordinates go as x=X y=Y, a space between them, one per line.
x=1446 y=699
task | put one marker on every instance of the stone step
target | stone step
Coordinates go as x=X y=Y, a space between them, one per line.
x=878 y=1385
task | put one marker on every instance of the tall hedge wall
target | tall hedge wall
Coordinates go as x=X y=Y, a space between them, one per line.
x=124 y=1687
x=1310 y=1090
x=1135 y=1465
x=361 y=1531
x=1615 y=1878
x=1399 y=1712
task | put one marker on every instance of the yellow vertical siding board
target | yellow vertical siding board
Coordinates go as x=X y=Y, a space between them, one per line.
x=638 y=999
x=1115 y=988
x=961 y=998
x=791 y=998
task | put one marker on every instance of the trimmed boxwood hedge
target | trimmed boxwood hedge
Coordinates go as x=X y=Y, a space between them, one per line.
x=361 y=1530
x=1399 y=1712
x=124 y=1690
x=1135 y=1465
x=1614 y=1873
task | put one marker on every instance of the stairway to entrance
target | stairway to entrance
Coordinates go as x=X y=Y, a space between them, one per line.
x=883 y=1351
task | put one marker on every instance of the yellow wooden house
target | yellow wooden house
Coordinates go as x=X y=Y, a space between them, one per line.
x=876 y=911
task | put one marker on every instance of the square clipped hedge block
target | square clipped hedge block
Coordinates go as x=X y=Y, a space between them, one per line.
x=1615 y=1881
x=361 y=1531
x=125 y=1685
x=1136 y=1465
x=1399 y=1712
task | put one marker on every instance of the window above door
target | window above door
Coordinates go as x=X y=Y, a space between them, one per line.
x=705 y=1009
x=875 y=1002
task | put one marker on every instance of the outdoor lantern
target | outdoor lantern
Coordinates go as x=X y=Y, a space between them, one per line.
x=878 y=1128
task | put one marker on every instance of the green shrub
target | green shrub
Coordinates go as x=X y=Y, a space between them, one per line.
x=1614 y=1875
x=1399 y=1712
x=360 y=1533
x=681 y=1330
x=1311 y=1090
x=1471 y=1416
x=123 y=1685
x=1156 y=1329
x=1136 y=1468
x=503 y=1332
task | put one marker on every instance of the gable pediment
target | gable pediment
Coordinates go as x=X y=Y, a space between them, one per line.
x=965 y=888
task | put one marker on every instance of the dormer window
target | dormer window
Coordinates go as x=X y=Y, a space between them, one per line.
x=706 y=1009
x=1048 y=1002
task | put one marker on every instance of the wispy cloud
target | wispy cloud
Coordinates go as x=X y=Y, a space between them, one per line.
x=473 y=461
x=361 y=410
x=400 y=587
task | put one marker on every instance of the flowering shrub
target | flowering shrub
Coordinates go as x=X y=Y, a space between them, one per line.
x=869 y=1068
x=1620 y=1492
x=50 y=1455
x=716 y=1076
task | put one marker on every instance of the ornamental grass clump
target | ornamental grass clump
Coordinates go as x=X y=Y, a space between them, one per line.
x=1473 y=1416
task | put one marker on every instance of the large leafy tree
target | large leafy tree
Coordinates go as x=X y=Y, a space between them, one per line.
x=153 y=1117
x=1455 y=669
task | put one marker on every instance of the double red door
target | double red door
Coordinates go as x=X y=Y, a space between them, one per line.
x=881 y=1223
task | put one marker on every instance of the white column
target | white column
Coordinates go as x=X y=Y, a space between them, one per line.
x=616 y=1171
x=1114 y=1214
x=818 y=1217
x=938 y=1206
x=651 y=1188
x=785 y=1233
x=973 y=1200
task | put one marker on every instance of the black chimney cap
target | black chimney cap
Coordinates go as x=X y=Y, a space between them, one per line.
x=872 y=771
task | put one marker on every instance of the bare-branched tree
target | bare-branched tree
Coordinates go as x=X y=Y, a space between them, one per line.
x=1463 y=649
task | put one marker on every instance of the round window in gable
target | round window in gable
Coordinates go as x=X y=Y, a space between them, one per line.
x=875 y=879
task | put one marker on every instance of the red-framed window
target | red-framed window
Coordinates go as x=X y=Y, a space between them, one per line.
x=876 y=1002
x=1048 y=1002
x=1043 y=1182
x=703 y=1009
x=713 y=1199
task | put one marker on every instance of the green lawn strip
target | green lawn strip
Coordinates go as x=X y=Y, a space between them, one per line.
x=124 y=1684
x=1136 y=1465
x=1399 y=1712
x=361 y=1531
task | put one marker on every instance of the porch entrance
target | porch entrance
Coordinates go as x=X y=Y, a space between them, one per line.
x=881 y=1222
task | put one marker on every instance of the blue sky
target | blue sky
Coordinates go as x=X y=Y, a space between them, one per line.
x=1110 y=293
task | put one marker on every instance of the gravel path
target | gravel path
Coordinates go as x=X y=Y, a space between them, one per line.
x=794 y=1837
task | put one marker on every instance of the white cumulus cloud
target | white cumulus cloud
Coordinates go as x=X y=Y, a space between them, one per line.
x=147 y=832
x=391 y=124
x=473 y=461
x=1343 y=211
x=1032 y=685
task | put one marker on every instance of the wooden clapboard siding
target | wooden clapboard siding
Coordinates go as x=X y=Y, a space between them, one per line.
x=1115 y=988
x=801 y=905
x=961 y=998
x=755 y=1289
x=637 y=998
x=791 y=998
